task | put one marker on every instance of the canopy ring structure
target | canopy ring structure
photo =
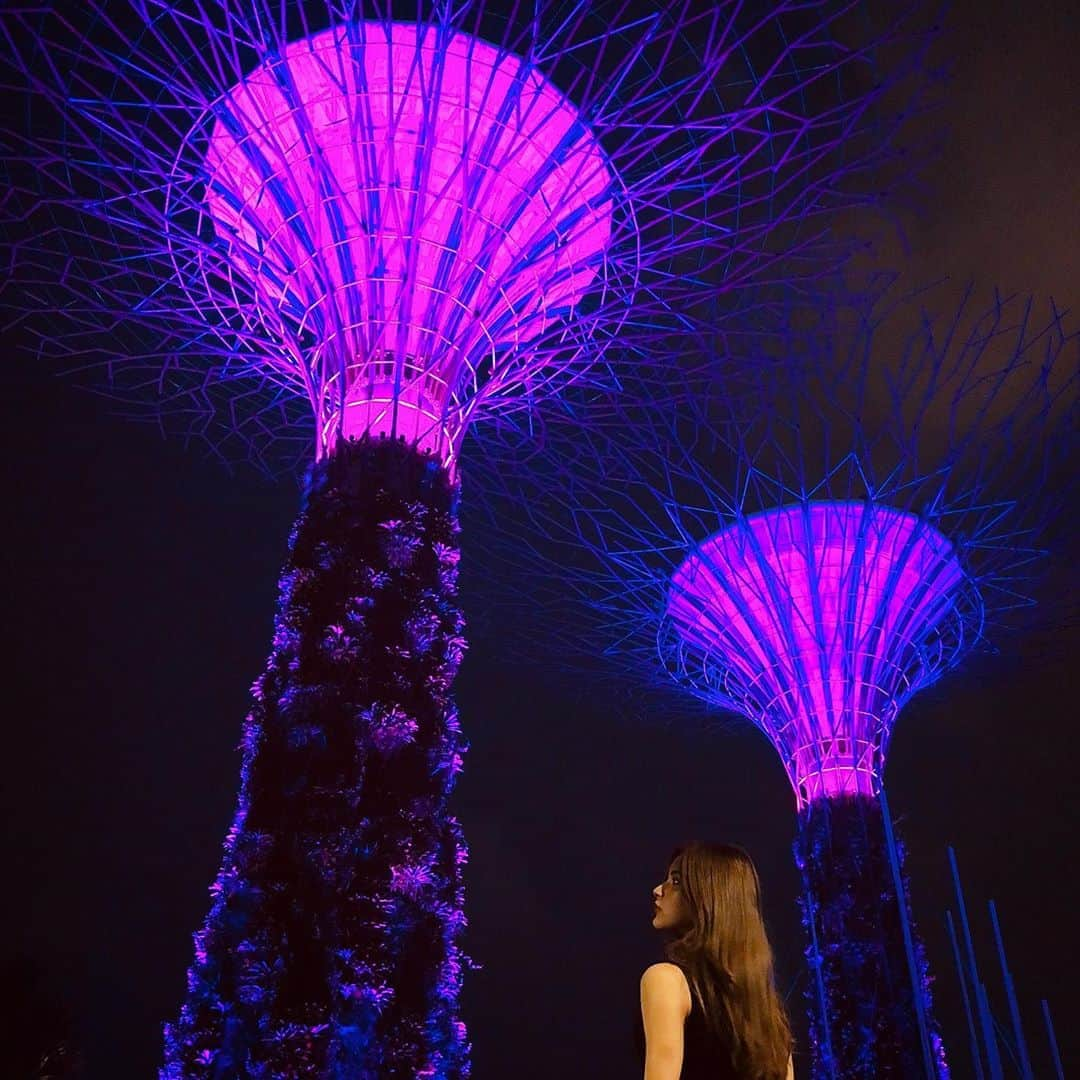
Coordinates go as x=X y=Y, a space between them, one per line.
x=417 y=205
x=818 y=621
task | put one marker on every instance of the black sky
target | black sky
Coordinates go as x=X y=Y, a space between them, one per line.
x=140 y=579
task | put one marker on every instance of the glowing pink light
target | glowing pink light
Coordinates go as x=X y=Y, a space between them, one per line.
x=818 y=621
x=408 y=208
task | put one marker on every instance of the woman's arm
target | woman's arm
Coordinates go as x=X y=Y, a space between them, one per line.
x=665 y=1005
x=790 y=1068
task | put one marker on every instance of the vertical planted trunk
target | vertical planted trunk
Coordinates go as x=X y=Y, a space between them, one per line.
x=864 y=1012
x=331 y=945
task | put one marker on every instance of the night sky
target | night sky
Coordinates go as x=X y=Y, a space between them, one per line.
x=140 y=579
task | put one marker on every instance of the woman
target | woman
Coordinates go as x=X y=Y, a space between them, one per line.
x=713 y=1010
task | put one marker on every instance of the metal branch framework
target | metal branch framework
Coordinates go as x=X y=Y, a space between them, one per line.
x=879 y=484
x=301 y=221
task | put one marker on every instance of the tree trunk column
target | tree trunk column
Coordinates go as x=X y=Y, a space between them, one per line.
x=863 y=1015
x=331 y=945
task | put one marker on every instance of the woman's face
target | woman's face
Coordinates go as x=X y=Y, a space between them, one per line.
x=670 y=910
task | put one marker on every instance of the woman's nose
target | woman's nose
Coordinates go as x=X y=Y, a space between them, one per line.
x=658 y=891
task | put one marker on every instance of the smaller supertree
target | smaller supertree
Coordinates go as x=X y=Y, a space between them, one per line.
x=809 y=555
x=818 y=619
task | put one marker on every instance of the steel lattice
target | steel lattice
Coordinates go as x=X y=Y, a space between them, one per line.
x=280 y=222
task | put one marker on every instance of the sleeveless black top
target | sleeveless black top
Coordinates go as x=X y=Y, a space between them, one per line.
x=705 y=1056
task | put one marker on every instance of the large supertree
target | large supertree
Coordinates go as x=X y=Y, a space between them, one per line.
x=809 y=547
x=349 y=230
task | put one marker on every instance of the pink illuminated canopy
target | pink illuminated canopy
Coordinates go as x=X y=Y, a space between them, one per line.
x=407 y=208
x=817 y=621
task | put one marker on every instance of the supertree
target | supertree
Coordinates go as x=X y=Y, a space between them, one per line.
x=809 y=548
x=350 y=230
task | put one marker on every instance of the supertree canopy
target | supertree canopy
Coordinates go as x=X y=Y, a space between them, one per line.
x=809 y=553
x=413 y=202
x=817 y=620
x=277 y=224
x=348 y=230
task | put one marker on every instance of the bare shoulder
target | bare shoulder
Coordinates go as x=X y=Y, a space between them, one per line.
x=665 y=980
x=663 y=974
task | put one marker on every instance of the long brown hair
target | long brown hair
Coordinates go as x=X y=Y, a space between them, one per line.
x=727 y=958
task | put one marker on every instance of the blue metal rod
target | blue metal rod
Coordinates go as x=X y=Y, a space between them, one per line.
x=1014 y=1008
x=973 y=1038
x=819 y=981
x=1003 y=1041
x=992 y=1056
x=823 y=1003
x=1053 y=1040
x=984 y=1014
x=909 y=946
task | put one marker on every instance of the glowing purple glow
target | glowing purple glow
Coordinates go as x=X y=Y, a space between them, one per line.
x=406 y=206
x=817 y=621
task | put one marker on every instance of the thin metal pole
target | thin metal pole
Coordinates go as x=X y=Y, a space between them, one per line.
x=823 y=1003
x=819 y=979
x=909 y=946
x=1053 y=1040
x=973 y=1038
x=1014 y=1008
x=989 y=1038
x=993 y=1057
